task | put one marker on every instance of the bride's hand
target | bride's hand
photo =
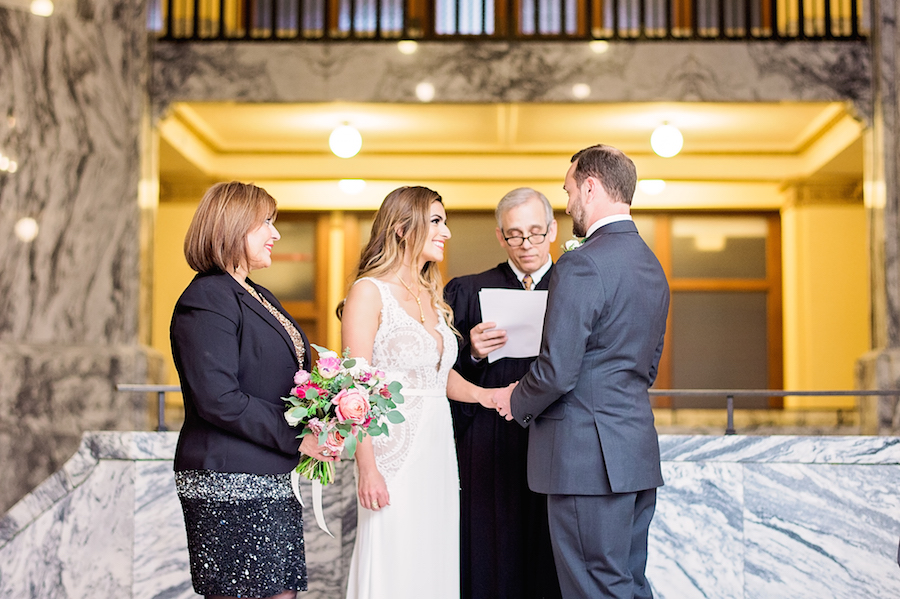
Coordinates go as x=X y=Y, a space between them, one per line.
x=373 y=492
x=486 y=398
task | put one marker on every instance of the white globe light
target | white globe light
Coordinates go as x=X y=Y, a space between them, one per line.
x=41 y=8
x=345 y=141
x=666 y=141
x=26 y=229
x=425 y=91
x=652 y=187
x=352 y=186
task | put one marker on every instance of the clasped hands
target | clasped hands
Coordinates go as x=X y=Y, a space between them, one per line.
x=498 y=399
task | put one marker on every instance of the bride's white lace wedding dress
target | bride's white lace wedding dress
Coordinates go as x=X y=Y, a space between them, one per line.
x=410 y=549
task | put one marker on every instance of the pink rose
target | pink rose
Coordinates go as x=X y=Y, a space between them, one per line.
x=328 y=366
x=335 y=442
x=301 y=377
x=352 y=404
x=385 y=392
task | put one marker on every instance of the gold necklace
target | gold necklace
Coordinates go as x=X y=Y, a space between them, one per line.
x=416 y=297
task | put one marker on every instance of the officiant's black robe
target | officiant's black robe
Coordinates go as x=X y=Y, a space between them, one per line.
x=505 y=539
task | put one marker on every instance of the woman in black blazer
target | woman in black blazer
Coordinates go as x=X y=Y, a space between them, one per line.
x=236 y=351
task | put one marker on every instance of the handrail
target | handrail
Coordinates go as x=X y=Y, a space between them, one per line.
x=160 y=391
x=729 y=394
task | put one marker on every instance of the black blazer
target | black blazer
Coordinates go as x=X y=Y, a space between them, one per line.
x=235 y=362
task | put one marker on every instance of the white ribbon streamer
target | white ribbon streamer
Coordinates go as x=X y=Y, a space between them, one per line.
x=295 y=486
x=317 y=500
x=317 y=507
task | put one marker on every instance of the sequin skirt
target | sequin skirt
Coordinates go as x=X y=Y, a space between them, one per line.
x=244 y=531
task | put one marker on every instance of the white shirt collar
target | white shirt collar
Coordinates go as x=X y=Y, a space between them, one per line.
x=605 y=221
x=536 y=276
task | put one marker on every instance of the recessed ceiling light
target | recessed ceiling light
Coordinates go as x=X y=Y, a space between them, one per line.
x=41 y=8
x=599 y=46
x=407 y=46
x=352 y=186
x=581 y=90
x=652 y=187
x=425 y=91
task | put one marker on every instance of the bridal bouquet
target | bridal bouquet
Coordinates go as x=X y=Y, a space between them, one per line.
x=340 y=401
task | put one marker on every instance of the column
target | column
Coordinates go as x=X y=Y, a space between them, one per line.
x=73 y=319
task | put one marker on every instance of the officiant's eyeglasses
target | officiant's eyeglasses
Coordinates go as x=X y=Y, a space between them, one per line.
x=534 y=238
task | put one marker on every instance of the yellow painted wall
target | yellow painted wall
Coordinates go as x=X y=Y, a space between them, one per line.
x=825 y=292
x=826 y=300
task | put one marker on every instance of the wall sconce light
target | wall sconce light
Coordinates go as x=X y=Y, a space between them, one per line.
x=666 y=140
x=345 y=141
x=26 y=229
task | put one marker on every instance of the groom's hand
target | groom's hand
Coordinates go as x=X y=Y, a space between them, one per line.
x=502 y=397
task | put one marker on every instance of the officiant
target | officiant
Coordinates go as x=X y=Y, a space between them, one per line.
x=505 y=539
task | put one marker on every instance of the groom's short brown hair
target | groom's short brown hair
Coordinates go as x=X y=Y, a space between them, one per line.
x=615 y=171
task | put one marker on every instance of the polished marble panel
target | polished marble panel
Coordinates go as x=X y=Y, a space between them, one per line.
x=739 y=517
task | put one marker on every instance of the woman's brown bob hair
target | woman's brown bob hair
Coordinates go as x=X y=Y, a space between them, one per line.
x=217 y=237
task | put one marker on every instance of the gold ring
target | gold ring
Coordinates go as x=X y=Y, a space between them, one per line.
x=374 y=504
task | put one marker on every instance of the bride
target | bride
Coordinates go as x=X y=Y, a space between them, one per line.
x=407 y=536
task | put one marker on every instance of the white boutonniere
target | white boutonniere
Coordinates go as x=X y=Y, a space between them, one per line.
x=573 y=244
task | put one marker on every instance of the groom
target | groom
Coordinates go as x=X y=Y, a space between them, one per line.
x=592 y=445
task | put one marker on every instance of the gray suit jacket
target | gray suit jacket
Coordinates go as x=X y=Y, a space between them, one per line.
x=585 y=397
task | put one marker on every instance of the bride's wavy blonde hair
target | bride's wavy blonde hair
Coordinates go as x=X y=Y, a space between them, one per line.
x=402 y=224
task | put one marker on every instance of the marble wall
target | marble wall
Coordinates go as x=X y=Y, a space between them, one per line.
x=73 y=93
x=73 y=103
x=512 y=72
x=739 y=517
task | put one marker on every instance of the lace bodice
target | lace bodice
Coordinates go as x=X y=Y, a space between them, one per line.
x=406 y=351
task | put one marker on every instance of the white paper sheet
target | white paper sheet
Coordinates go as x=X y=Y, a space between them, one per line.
x=521 y=314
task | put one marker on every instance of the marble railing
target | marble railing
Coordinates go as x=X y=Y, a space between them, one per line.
x=753 y=517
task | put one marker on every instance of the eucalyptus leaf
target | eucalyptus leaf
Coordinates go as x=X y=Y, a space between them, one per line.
x=321 y=350
x=350 y=446
x=395 y=417
x=349 y=362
